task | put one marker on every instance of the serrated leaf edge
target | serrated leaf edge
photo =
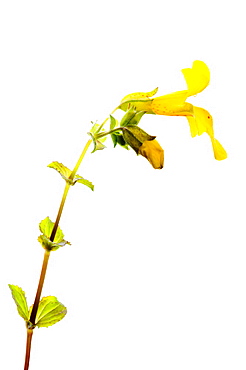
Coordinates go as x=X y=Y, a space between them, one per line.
x=24 y=315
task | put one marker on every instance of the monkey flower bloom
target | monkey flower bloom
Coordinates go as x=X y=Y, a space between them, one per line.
x=197 y=79
x=152 y=150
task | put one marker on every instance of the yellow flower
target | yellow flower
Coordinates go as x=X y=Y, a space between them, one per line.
x=197 y=79
x=152 y=150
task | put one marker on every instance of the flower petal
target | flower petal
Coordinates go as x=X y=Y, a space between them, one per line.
x=197 y=77
x=172 y=104
x=152 y=150
x=201 y=122
x=219 y=151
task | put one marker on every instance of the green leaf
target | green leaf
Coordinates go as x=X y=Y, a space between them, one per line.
x=50 y=311
x=49 y=245
x=20 y=300
x=83 y=181
x=66 y=172
x=63 y=170
x=46 y=227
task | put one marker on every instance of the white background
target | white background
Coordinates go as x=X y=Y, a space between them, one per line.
x=155 y=277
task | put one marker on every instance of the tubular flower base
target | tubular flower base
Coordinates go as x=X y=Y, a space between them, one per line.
x=197 y=79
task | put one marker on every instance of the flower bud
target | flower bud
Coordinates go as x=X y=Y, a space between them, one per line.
x=135 y=136
x=152 y=150
x=144 y=144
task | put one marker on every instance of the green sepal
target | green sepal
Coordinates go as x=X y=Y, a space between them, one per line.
x=132 y=117
x=117 y=136
x=136 y=119
x=114 y=139
x=135 y=136
x=137 y=104
x=113 y=122
x=140 y=100
x=46 y=227
x=118 y=139
x=66 y=172
x=20 y=300
x=98 y=145
x=49 y=312
x=127 y=117
x=96 y=128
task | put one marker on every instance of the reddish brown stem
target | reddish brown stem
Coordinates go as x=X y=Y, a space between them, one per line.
x=28 y=348
x=40 y=286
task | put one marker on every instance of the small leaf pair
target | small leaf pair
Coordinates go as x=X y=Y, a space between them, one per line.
x=66 y=172
x=50 y=310
x=46 y=227
x=94 y=132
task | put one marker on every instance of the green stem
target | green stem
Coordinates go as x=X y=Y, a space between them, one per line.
x=28 y=348
x=73 y=173
x=109 y=116
x=58 y=217
x=102 y=134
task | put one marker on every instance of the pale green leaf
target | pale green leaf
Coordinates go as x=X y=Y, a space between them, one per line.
x=63 y=170
x=20 y=300
x=66 y=172
x=50 y=311
x=46 y=227
x=83 y=181
x=49 y=245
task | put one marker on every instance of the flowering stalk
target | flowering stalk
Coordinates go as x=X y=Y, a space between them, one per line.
x=126 y=133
